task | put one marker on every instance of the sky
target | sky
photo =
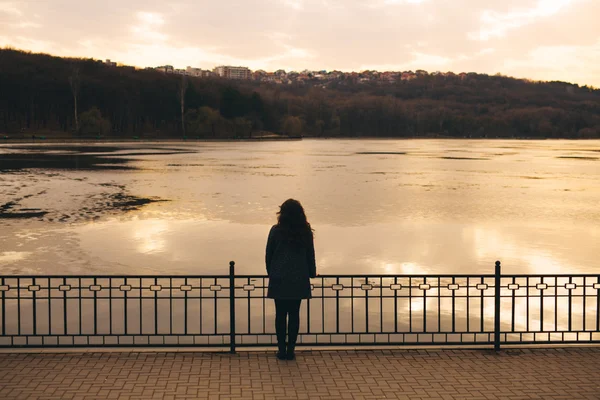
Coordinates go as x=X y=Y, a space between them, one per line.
x=534 y=39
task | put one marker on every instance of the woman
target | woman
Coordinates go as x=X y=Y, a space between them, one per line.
x=290 y=259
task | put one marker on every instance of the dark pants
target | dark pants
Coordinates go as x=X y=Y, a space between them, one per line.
x=283 y=310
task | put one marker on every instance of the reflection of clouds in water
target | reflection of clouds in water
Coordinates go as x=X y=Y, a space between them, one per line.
x=443 y=215
x=149 y=235
x=489 y=243
x=404 y=268
x=13 y=256
x=410 y=268
x=542 y=261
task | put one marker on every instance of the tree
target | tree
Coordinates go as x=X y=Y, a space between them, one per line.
x=233 y=103
x=243 y=127
x=335 y=123
x=319 y=126
x=203 y=120
x=93 y=124
x=292 y=126
x=181 y=95
x=75 y=83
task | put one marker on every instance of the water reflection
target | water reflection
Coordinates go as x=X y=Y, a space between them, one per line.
x=397 y=206
x=149 y=234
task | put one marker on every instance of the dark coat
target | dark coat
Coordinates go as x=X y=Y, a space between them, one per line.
x=289 y=267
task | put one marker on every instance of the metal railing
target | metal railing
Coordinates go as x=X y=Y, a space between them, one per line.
x=348 y=310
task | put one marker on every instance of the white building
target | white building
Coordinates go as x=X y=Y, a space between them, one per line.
x=233 y=72
x=197 y=72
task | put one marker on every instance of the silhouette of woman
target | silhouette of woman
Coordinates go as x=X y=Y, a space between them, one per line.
x=290 y=259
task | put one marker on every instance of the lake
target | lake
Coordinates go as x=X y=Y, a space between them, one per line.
x=377 y=206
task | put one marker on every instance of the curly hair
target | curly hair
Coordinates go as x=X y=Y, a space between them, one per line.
x=291 y=218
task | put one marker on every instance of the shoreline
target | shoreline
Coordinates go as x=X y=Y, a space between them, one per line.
x=225 y=140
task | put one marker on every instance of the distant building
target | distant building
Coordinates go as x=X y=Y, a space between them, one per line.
x=167 y=69
x=233 y=72
x=110 y=63
x=202 y=73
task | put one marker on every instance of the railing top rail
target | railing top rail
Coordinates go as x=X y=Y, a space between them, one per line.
x=388 y=276
x=115 y=276
x=221 y=276
x=550 y=275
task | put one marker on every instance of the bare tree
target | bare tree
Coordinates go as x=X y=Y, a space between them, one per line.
x=75 y=83
x=181 y=95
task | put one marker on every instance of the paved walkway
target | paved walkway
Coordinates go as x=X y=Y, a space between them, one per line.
x=572 y=373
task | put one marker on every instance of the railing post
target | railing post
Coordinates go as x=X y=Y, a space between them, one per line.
x=497 y=282
x=232 y=307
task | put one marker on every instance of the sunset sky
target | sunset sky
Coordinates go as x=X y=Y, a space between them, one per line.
x=537 y=39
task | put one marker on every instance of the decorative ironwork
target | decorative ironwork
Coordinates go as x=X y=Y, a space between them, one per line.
x=570 y=286
x=233 y=310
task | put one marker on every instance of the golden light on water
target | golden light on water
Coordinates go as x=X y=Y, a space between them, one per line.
x=13 y=256
x=149 y=235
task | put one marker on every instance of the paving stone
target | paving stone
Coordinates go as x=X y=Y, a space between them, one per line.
x=566 y=373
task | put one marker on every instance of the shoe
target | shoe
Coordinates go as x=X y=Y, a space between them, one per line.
x=290 y=352
x=282 y=354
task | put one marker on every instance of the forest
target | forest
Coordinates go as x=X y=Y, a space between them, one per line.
x=47 y=96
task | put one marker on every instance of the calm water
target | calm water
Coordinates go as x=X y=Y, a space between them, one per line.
x=378 y=206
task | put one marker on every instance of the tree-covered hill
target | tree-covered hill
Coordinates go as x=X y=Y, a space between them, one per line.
x=43 y=95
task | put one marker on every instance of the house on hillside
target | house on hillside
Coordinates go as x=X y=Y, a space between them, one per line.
x=198 y=72
x=167 y=69
x=230 y=72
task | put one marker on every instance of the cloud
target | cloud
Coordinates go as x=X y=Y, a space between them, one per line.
x=419 y=60
x=24 y=42
x=403 y=1
x=294 y=4
x=560 y=63
x=497 y=24
x=384 y=3
x=10 y=9
x=26 y=25
x=147 y=27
